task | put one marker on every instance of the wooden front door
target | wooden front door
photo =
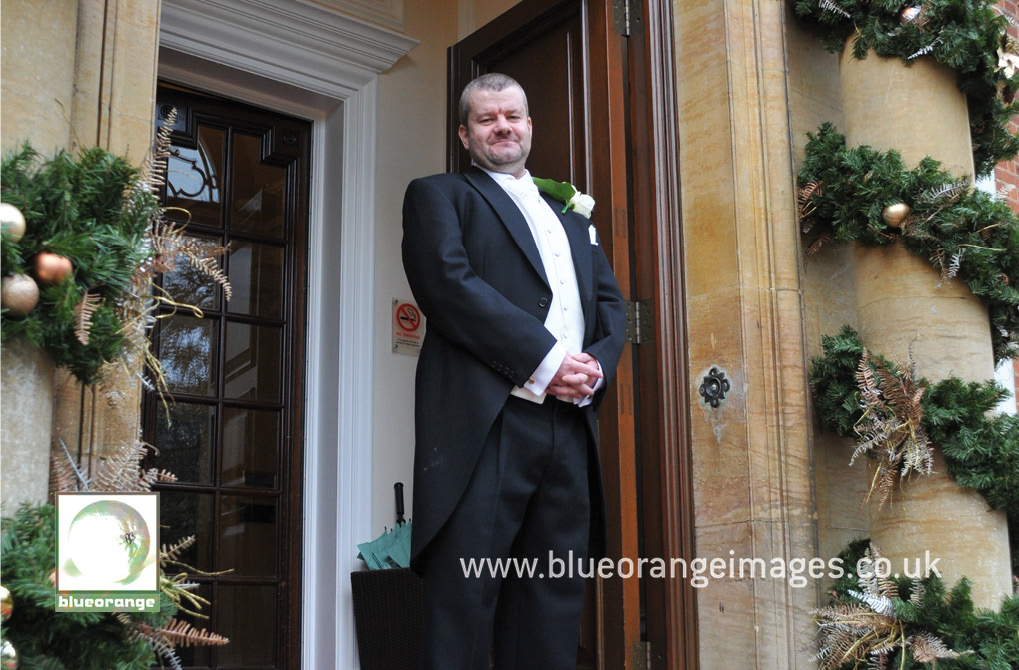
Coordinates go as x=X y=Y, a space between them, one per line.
x=233 y=432
x=601 y=114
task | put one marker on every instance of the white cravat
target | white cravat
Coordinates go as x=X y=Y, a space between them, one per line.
x=565 y=319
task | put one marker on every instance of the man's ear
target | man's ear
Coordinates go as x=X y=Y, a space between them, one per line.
x=462 y=132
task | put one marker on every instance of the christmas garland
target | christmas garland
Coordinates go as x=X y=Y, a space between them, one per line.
x=910 y=623
x=82 y=239
x=41 y=637
x=88 y=217
x=898 y=419
x=967 y=35
x=870 y=197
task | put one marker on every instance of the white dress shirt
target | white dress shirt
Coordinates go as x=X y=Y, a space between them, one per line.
x=565 y=319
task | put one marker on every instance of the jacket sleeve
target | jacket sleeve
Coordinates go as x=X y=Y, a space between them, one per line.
x=458 y=303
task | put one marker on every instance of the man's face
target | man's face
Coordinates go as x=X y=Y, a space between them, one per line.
x=498 y=131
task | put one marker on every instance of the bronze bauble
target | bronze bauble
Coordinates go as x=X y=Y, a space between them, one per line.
x=895 y=214
x=6 y=603
x=18 y=294
x=51 y=268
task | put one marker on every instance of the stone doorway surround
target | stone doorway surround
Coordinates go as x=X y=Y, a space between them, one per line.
x=310 y=61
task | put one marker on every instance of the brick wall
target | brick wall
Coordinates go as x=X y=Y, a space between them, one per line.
x=1007 y=172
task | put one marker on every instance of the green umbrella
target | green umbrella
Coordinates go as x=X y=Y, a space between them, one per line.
x=389 y=550
x=392 y=548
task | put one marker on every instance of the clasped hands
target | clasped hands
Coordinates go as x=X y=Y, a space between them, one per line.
x=576 y=376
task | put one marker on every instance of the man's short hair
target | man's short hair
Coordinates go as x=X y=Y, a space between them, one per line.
x=493 y=81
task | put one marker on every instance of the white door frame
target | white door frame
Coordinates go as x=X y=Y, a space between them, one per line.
x=306 y=61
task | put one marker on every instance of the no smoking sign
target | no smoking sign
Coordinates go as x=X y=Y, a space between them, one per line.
x=408 y=327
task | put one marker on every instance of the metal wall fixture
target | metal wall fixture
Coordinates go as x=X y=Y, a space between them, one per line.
x=714 y=387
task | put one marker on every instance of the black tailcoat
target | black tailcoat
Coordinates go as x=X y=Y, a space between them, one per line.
x=476 y=273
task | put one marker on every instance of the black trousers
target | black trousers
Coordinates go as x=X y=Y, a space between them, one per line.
x=527 y=500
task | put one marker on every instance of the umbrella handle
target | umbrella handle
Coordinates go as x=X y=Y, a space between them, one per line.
x=399 y=503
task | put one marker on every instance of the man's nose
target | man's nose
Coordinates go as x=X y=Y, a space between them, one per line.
x=502 y=125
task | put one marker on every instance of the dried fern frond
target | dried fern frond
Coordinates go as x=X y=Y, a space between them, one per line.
x=202 y=256
x=953 y=267
x=154 y=167
x=869 y=631
x=817 y=244
x=950 y=192
x=805 y=206
x=834 y=8
x=64 y=473
x=182 y=634
x=890 y=427
x=167 y=243
x=121 y=470
x=877 y=662
x=137 y=630
x=172 y=552
x=155 y=476
x=85 y=309
x=923 y=51
x=928 y=648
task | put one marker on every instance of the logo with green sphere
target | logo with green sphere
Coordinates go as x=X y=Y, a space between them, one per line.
x=107 y=552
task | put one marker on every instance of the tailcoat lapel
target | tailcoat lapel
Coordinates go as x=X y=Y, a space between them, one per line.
x=510 y=216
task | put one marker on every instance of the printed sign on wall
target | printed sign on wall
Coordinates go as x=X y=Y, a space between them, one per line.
x=408 y=327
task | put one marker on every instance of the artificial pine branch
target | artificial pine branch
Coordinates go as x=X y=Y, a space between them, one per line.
x=963 y=232
x=148 y=634
x=893 y=416
x=87 y=209
x=102 y=214
x=965 y=36
x=937 y=628
x=43 y=637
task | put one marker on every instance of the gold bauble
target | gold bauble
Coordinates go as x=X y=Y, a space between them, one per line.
x=6 y=603
x=8 y=656
x=18 y=294
x=12 y=221
x=51 y=268
x=895 y=214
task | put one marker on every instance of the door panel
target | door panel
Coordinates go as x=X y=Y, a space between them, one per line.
x=603 y=114
x=238 y=176
x=570 y=66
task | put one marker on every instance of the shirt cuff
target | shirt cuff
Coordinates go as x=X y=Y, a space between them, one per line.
x=546 y=370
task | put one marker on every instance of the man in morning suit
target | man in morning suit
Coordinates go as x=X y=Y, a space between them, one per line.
x=525 y=328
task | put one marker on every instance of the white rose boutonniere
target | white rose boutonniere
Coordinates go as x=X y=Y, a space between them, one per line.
x=582 y=204
x=567 y=193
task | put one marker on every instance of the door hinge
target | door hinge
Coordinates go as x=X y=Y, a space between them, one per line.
x=639 y=320
x=625 y=16
x=648 y=656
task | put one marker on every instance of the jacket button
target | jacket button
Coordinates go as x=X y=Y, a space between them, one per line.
x=543 y=302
